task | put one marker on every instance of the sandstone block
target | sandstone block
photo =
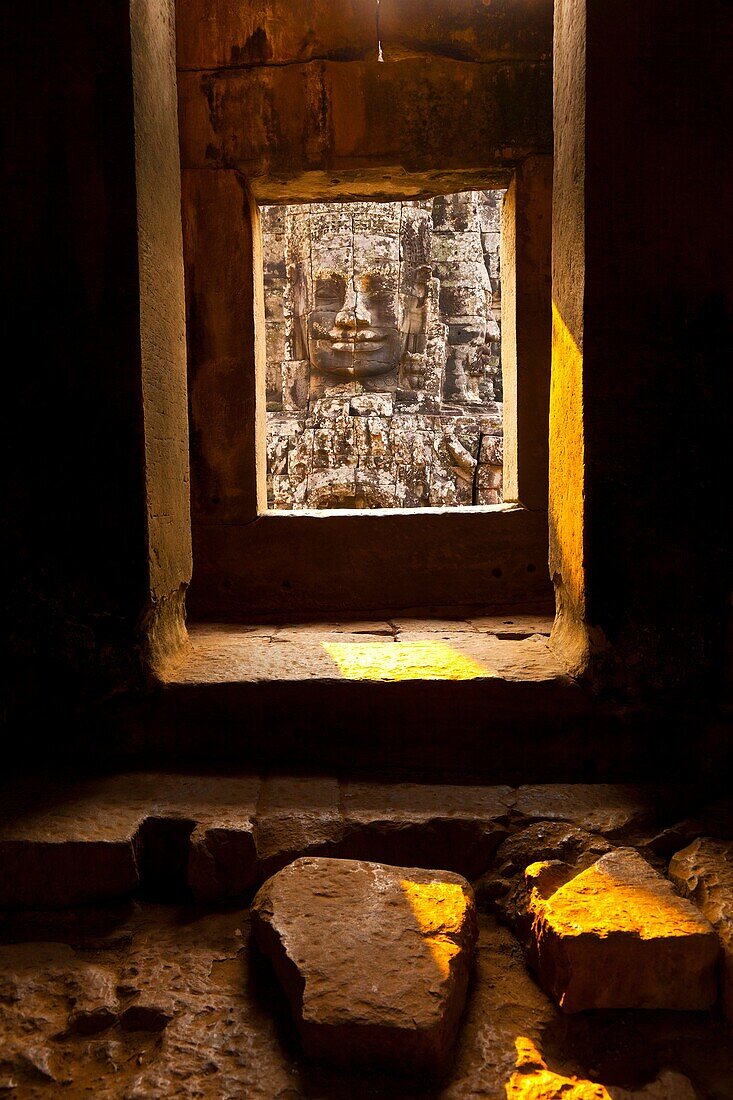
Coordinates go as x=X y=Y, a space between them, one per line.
x=295 y=816
x=618 y=936
x=704 y=872
x=466 y=29
x=217 y=33
x=607 y=808
x=504 y=888
x=374 y=959
x=51 y=872
x=222 y=861
x=427 y=825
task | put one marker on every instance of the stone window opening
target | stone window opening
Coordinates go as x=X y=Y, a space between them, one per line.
x=383 y=353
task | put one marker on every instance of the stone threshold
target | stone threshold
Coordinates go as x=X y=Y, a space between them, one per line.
x=383 y=651
x=481 y=699
x=384 y=694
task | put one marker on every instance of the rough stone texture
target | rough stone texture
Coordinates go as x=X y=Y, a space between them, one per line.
x=215 y=34
x=65 y=841
x=62 y=847
x=162 y=323
x=387 y=130
x=617 y=936
x=532 y=1080
x=613 y=810
x=283 y=564
x=374 y=960
x=504 y=888
x=295 y=817
x=412 y=824
x=222 y=854
x=704 y=872
x=223 y=1035
x=465 y=29
x=383 y=353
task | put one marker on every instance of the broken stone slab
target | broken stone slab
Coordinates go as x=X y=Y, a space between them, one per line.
x=222 y=854
x=704 y=872
x=295 y=816
x=425 y=825
x=65 y=844
x=374 y=960
x=504 y=889
x=95 y=1005
x=613 y=810
x=618 y=936
x=222 y=861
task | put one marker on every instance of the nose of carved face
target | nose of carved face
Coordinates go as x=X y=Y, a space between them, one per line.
x=352 y=316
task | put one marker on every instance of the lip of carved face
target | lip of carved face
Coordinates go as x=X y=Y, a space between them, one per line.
x=352 y=330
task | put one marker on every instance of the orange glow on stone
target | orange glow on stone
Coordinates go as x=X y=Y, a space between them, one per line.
x=600 y=903
x=532 y=1080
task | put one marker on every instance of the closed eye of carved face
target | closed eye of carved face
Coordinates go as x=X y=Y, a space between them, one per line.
x=330 y=292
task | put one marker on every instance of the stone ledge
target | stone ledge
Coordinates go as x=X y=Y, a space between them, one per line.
x=65 y=843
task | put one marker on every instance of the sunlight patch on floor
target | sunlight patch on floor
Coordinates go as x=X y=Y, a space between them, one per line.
x=419 y=660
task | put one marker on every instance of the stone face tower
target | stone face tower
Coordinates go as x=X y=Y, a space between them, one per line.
x=383 y=369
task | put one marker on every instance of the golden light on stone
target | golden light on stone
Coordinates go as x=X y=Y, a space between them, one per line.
x=618 y=936
x=429 y=659
x=532 y=1080
x=440 y=911
x=567 y=501
x=604 y=904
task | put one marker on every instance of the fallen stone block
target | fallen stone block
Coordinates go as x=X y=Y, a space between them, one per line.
x=704 y=872
x=534 y=1080
x=374 y=960
x=504 y=888
x=618 y=936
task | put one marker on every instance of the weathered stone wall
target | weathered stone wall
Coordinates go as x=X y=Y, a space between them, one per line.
x=383 y=353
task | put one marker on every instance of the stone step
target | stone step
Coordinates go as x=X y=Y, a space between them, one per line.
x=483 y=698
x=66 y=842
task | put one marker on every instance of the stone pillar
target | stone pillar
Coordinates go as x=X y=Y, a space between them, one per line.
x=641 y=314
x=526 y=330
x=97 y=442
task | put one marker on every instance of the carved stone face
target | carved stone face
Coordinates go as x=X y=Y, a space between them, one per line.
x=353 y=328
x=358 y=308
